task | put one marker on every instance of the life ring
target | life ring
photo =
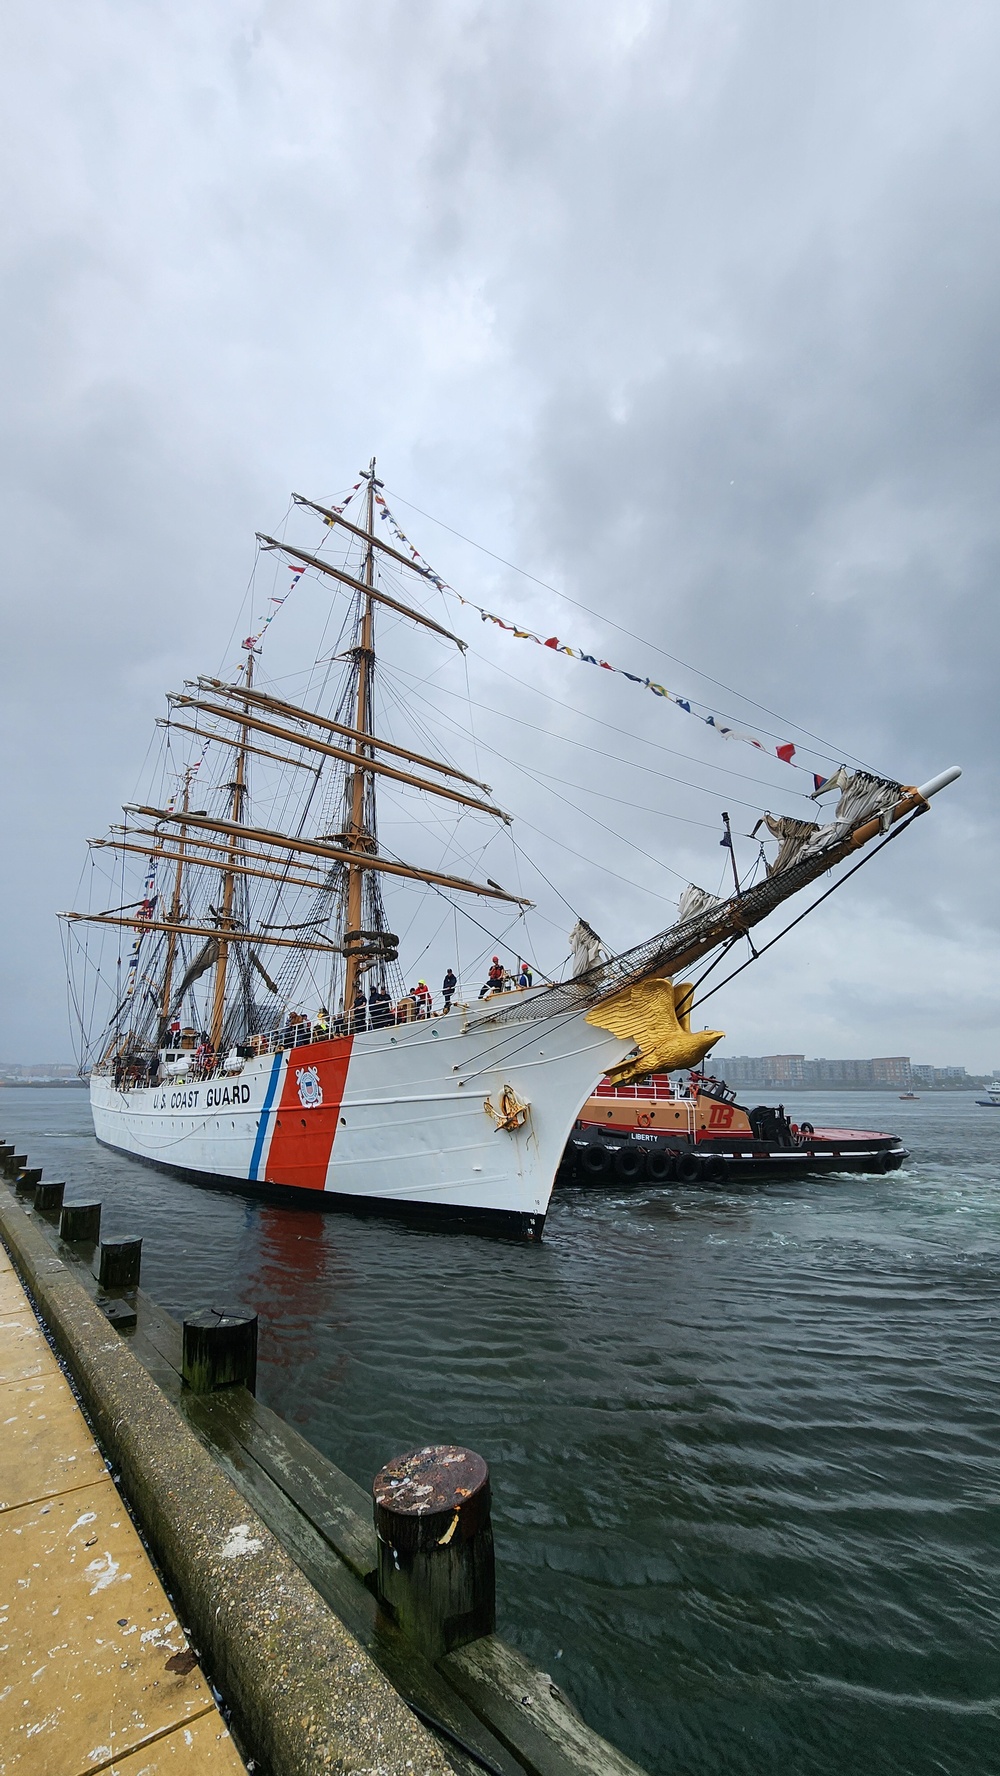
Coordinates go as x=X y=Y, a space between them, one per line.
x=644 y=1119
x=688 y=1169
x=595 y=1161
x=659 y=1165
x=630 y=1164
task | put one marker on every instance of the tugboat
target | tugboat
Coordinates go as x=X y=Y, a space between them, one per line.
x=696 y=1133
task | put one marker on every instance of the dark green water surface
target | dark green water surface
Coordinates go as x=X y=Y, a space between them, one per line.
x=744 y=1443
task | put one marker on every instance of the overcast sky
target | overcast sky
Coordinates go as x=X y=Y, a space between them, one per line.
x=690 y=310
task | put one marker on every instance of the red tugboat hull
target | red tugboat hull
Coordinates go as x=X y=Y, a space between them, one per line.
x=645 y=1133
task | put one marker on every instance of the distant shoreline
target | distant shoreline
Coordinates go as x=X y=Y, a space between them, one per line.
x=40 y=1084
x=925 y=1091
x=742 y=1091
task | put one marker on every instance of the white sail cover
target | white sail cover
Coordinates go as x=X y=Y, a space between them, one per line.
x=794 y=836
x=586 y=948
x=694 y=901
x=862 y=797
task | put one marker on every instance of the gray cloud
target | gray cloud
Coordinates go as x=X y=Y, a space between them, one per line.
x=692 y=310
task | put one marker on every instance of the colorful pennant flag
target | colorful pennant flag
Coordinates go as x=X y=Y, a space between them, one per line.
x=785 y=751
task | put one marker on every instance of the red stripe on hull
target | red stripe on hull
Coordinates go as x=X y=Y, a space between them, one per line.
x=304 y=1130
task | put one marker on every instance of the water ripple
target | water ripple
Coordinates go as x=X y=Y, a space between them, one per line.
x=743 y=1443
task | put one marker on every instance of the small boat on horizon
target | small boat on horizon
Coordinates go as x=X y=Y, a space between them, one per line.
x=909 y=1097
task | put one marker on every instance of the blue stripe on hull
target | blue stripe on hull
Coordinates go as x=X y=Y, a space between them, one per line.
x=258 y=1146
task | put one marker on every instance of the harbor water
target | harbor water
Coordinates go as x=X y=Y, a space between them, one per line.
x=743 y=1441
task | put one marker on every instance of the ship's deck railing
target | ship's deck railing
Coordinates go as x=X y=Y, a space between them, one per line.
x=658 y=1088
x=187 y=1058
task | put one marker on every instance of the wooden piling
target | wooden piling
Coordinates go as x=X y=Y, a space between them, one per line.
x=436 y=1572
x=120 y=1264
x=14 y=1163
x=220 y=1349
x=26 y=1179
x=48 y=1197
x=80 y=1223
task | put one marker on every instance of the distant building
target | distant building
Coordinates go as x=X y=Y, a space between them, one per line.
x=760 y=1072
x=894 y=1070
x=840 y=1075
x=883 y=1073
x=784 y=1069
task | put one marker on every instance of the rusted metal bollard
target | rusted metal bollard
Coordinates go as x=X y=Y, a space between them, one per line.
x=80 y=1224
x=436 y=1572
x=48 y=1197
x=220 y=1349
x=121 y=1261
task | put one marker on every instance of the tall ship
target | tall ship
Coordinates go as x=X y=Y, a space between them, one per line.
x=243 y=1014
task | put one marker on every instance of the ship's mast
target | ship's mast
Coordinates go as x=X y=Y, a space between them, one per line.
x=358 y=838
x=175 y=914
x=242 y=853
x=238 y=787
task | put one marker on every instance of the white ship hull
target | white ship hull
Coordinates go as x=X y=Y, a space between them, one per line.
x=392 y=1119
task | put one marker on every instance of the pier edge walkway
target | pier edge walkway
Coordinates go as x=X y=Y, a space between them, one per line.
x=308 y=1697
x=97 y=1672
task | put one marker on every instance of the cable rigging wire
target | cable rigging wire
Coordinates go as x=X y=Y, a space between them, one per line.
x=601 y=618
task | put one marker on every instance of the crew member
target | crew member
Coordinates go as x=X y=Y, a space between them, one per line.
x=524 y=975
x=379 y=1008
x=321 y=1028
x=494 y=979
x=448 y=986
x=359 y=1012
x=422 y=995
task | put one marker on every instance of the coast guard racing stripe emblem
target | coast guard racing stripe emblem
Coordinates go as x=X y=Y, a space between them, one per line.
x=309 y=1114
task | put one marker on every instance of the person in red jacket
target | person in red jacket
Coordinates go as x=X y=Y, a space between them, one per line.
x=495 y=978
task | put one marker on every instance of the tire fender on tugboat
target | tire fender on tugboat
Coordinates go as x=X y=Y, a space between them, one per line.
x=630 y=1164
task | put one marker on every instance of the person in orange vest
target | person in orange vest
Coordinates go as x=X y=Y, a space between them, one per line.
x=494 y=979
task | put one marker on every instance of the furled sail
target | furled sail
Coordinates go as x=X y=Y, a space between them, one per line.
x=693 y=901
x=586 y=948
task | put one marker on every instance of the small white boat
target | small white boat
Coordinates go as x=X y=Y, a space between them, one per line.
x=993 y=1101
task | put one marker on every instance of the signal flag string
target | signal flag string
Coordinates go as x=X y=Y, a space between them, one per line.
x=785 y=750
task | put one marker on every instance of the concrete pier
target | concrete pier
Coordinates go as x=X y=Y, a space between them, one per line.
x=97 y=1672
x=272 y=1554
